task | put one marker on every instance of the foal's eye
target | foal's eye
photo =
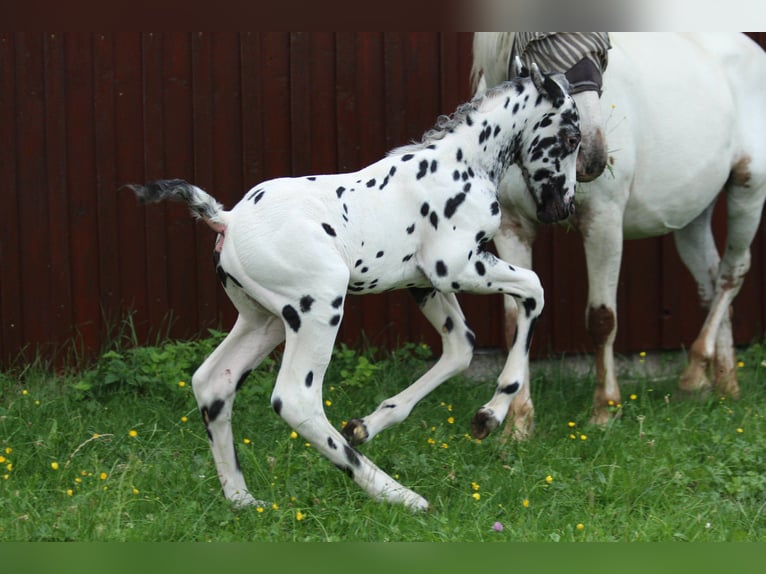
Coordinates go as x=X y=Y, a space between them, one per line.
x=573 y=141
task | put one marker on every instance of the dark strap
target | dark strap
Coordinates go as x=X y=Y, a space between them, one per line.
x=584 y=76
x=582 y=56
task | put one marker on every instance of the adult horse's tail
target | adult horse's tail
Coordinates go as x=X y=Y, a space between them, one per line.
x=201 y=203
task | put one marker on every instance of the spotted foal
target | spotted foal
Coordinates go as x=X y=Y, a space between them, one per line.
x=290 y=251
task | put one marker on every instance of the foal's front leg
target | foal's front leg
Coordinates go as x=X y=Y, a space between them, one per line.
x=443 y=312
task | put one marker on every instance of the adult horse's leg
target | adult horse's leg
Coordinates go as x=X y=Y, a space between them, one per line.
x=514 y=242
x=601 y=228
x=744 y=204
x=696 y=248
x=443 y=312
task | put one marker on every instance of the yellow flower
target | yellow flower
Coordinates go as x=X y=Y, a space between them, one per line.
x=103 y=476
x=246 y=441
x=132 y=433
x=181 y=384
x=431 y=441
x=583 y=437
x=449 y=408
x=69 y=492
x=293 y=435
x=8 y=450
x=740 y=364
x=275 y=506
x=525 y=503
x=259 y=509
x=580 y=526
x=475 y=486
x=549 y=479
x=9 y=467
x=476 y=496
x=445 y=445
x=299 y=515
x=184 y=419
x=96 y=435
x=78 y=480
x=451 y=420
x=135 y=490
x=55 y=465
x=642 y=354
x=328 y=403
x=740 y=430
x=573 y=436
x=2 y=459
x=25 y=392
x=571 y=424
x=610 y=402
x=633 y=397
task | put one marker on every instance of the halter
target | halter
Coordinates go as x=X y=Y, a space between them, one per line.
x=584 y=56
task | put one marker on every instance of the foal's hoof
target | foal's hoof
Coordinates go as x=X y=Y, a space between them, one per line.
x=483 y=423
x=355 y=432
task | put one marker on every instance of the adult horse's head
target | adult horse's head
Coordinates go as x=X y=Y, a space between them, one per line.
x=582 y=57
x=549 y=143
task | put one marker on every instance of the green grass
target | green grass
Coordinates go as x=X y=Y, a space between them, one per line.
x=665 y=470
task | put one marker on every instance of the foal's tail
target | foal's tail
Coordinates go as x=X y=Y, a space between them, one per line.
x=202 y=204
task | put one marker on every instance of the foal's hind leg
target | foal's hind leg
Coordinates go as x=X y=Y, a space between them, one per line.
x=254 y=335
x=297 y=398
x=444 y=313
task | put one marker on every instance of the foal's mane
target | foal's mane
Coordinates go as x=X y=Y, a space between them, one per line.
x=446 y=124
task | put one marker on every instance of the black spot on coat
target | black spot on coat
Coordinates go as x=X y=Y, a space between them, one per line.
x=452 y=204
x=292 y=317
x=306 y=302
x=329 y=230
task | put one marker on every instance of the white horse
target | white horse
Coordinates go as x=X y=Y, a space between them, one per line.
x=684 y=119
x=291 y=249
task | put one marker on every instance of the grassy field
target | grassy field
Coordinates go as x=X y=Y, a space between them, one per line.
x=118 y=453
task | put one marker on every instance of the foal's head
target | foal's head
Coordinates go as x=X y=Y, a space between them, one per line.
x=549 y=140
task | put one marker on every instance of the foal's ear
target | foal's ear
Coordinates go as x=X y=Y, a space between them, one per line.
x=517 y=69
x=537 y=78
x=556 y=86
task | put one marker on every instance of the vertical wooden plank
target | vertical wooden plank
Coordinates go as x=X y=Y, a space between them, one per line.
x=106 y=186
x=11 y=331
x=62 y=316
x=84 y=240
x=152 y=48
x=129 y=168
x=178 y=144
x=33 y=202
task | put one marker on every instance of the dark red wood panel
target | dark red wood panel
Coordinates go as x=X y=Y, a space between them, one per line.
x=83 y=113
x=11 y=329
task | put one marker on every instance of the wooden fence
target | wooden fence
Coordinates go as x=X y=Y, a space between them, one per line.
x=83 y=113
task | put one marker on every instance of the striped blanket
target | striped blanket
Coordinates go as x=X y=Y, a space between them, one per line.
x=583 y=56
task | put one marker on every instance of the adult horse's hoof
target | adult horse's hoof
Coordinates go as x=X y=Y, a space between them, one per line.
x=355 y=432
x=483 y=423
